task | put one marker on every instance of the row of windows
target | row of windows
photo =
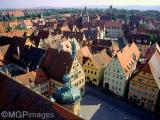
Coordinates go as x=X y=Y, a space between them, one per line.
x=112 y=70
x=114 y=76
x=76 y=74
x=141 y=92
x=90 y=71
x=44 y=88
x=143 y=86
x=90 y=64
x=116 y=88
x=79 y=82
x=142 y=98
x=113 y=81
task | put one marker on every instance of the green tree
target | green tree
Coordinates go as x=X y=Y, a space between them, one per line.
x=13 y=17
x=8 y=28
x=153 y=38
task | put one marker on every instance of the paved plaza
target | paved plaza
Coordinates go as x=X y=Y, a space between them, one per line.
x=96 y=105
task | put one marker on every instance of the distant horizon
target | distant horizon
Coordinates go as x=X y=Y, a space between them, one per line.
x=128 y=7
x=20 y=4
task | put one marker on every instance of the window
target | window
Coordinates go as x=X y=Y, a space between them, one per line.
x=95 y=73
x=140 y=80
x=88 y=71
x=94 y=80
x=91 y=72
x=117 y=71
x=88 y=64
x=119 y=89
x=117 y=82
x=117 y=76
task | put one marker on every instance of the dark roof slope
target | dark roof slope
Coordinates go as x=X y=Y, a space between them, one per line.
x=31 y=57
x=56 y=63
x=16 y=97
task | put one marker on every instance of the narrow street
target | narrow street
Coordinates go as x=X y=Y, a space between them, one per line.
x=98 y=105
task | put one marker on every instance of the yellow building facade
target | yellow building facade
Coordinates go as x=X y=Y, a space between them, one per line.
x=92 y=72
x=143 y=89
x=94 y=67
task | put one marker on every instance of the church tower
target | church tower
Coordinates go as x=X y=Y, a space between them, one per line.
x=68 y=95
x=85 y=16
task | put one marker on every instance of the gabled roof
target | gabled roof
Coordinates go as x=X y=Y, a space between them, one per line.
x=67 y=45
x=113 y=24
x=16 y=97
x=127 y=56
x=17 y=13
x=30 y=57
x=3 y=51
x=56 y=63
x=83 y=53
x=155 y=47
x=154 y=64
x=100 y=59
x=28 y=22
x=32 y=78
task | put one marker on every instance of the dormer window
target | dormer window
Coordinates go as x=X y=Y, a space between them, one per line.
x=125 y=70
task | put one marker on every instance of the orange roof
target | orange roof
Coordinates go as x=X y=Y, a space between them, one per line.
x=13 y=23
x=67 y=45
x=155 y=47
x=113 y=24
x=65 y=28
x=28 y=22
x=3 y=51
x=83 y=52
x=18 y=33
x=101 y=59
x=31 y=78
x=17 y=13
x=126 y=57
x=2 y=27
x=154 y=64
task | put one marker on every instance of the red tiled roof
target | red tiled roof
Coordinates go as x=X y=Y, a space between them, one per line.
x=155 y=47
x=113 y=24
x=17 y=13
x=154 y=64
x=2 y=27
x=28 y=22
x=126 y=57
x=56 y=62
x=34 y=77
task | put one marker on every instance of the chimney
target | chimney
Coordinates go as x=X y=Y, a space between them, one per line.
x=27 y=69
x=18 y=51
x=7 y=72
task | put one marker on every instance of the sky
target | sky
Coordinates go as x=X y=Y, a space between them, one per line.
x=73 y=3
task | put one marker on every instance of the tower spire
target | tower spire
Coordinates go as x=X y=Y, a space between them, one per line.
x=73 y=44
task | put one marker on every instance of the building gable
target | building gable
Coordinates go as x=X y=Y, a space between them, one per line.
x=91 y=64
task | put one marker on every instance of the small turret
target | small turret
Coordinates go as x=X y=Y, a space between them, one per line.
x=73 y=44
